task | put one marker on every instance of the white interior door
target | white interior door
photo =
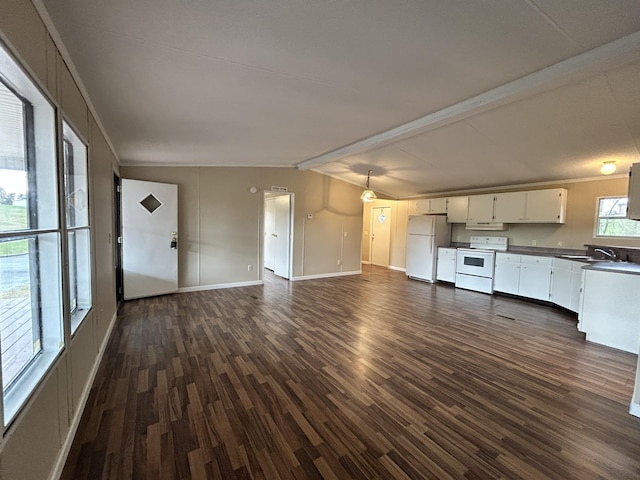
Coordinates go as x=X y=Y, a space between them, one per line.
x=269 y=232
x=282 y=235
x=149 y=220
x=380 y=235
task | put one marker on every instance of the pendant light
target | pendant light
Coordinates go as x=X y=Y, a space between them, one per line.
x=368 y=195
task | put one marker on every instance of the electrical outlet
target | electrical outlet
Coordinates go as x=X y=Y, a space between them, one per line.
x=559 y=243
x=249 y=268
x=534 y=243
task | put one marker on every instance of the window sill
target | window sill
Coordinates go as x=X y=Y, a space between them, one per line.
x=20 y=391
x=78 y=316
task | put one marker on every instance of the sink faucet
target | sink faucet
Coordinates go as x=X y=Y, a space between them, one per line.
x=609 y=253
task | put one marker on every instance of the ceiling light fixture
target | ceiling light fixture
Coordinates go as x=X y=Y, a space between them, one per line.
x=368 y=195
x=608 y=167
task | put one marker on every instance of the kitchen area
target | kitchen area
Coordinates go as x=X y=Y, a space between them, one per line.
x=537 y=245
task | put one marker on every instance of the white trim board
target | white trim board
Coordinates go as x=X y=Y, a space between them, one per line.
x=326 y=275
x=218 y=286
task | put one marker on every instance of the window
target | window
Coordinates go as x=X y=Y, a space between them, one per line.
x=612 y=221
x=78 y=234
x=30 y=238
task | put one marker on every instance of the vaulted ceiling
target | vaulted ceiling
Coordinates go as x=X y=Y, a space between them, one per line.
x=433 y=96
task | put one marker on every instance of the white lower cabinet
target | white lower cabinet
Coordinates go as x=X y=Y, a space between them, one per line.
x=566 y=283
x=535 y=277
x=524 y=275
x=506 y=277
x=446 y=266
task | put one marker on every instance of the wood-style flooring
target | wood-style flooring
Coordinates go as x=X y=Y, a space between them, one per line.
x=367 y=376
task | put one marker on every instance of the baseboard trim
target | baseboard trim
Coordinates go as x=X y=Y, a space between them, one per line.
x=397 y=269
x=75 y=422
x=326 y=275
x=218 y=286
x=634 y=409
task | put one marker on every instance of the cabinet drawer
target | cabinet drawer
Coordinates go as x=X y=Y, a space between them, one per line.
x=508 y=257
x=536 y=260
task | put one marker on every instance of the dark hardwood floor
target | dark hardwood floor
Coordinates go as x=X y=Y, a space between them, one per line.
x=368 y=376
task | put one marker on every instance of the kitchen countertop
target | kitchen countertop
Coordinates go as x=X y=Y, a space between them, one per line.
x=619 y=267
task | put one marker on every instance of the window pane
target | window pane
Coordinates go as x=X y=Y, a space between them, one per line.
x=613 y=207
x=618 y=227
x=19 y=315
x=13 y=174
x=79 y=275
x=27 y=167
x=75 y=178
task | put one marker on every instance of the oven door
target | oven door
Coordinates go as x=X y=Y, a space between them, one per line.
x=479 y=263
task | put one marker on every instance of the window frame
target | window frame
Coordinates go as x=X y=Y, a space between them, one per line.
x=599 y=218
x=43 y=230
x=67 y=170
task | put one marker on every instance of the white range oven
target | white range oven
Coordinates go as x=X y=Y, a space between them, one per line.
x=475 y=265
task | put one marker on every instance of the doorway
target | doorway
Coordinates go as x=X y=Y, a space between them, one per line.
x=117 y=233
x=380 y=235
x=278 y=225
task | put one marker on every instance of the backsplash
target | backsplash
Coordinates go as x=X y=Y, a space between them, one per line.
x=628 y=254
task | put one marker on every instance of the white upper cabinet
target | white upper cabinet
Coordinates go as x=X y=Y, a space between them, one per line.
x=532 y=206
x=431 y=206
x=457 y=209
x=480 y=208
x=546 y=206
x=633 y=207
x=510 y=207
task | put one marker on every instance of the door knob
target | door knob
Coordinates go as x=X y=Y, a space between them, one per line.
x=274 y=235
x=174 y=240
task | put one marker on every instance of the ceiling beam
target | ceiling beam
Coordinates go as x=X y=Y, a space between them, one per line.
x=584 y=65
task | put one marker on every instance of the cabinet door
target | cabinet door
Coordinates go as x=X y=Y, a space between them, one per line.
x=446 y=266
x=422 y=206
x=480 y=208
x=506 y=277
x=561 y=278
x=546 y=206
x=438 y=205
x=576 y=287
x=510 y=207
x=535 y=277
x=457 y=209
x=633 y=207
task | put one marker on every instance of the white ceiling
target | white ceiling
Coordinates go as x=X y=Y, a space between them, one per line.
x=326 y=84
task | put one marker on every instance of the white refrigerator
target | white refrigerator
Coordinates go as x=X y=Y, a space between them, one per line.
x=425 y=233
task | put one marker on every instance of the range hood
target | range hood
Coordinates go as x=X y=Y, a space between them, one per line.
x=485 y=226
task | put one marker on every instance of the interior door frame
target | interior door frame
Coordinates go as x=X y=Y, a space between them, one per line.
x=371 y=223
x=291 y=195
x=117 y=238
